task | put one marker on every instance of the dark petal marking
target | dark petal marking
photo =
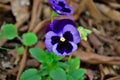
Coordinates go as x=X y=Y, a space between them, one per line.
x=69 y=47
x=61 y=4
x=64 y=47
x=68 y=36
x=66 y=10
x=72 y=29
x=55 y=39
x=60 y=48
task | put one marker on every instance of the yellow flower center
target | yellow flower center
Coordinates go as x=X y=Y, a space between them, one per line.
x=62 y=39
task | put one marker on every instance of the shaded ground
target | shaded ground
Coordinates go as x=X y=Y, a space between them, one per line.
x=99 y=55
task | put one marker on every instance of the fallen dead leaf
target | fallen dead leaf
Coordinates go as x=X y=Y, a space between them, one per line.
x=20 y=9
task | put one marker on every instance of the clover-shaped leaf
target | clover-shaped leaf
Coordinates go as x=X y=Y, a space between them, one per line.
x=84 y=32
x=9 y=31
x=29 y=39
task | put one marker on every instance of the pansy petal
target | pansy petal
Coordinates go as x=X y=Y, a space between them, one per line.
x=56 y=1
x=74 y=48
x=55 y=39
x=67 y=10
x=54 y=49
x=63 y=50
x=48 y=40
x=61 y=7
x=68 y=36
x=63 y=10
x=56 y=7
x=58 y=25
x=70 y=28
x=62 y=3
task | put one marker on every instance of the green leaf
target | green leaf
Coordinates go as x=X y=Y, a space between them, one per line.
x=37 y=53
x=1 y=36
x=43 y=72
x=58 y=74
x=20 y=50
x=74 y=63
x=46 y=78
x=29 y=39
x=77 y=73
x=55 y=57
x=69 y=77
x=9 y=31
x=63 y=65
x=30 y=74
x=84 y=32
x=82 y=78
x=40 y=55
x=83 y=71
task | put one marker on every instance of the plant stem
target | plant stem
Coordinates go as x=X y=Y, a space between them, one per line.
x=4 y=48
x=20 y=39
x=69 y=58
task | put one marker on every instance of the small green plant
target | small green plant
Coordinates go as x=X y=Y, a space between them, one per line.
x=84 y=32
x=52 y=68
x=20 y=50
x=53 y=15
x=9 y=31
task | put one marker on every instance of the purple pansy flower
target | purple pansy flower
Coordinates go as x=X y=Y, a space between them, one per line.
x=62 y=37
x=61 y=7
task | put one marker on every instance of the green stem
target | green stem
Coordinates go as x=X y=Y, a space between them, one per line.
x=69 y=58
x=52 y=18
x=4 y=48
x=20 y=39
